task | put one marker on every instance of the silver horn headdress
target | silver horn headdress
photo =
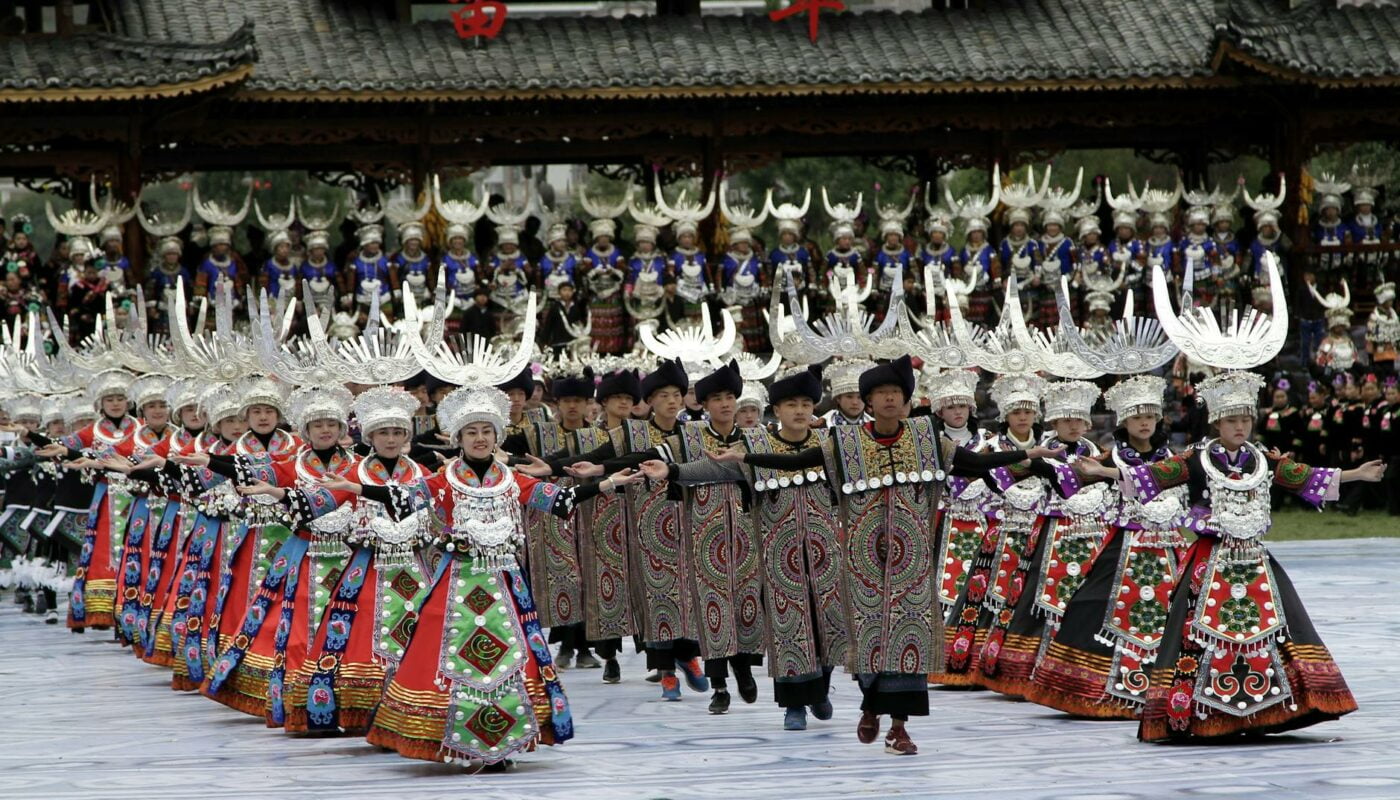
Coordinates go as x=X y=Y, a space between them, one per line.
x=1247 y=341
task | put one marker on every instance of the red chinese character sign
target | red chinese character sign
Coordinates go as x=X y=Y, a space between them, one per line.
x=479 y=18
x=813 y=8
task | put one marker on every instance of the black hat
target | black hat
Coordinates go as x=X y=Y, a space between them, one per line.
x=667 y=373
x=806 y=383
x=724 y=379
x=573 y=385
x=624 y=381
x=525 y=382
x=434 y=383
x=421 y=379
x=899 y=372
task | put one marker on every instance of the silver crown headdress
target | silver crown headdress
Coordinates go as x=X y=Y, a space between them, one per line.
x=161 y=226
x=686 y=214
x=311 y=403
x=974 y=208
x=183 y=392
x=1052 y=349
x=1017 y=392
x=844 y=374
x=261 y=390
x=149 y=388
x=1336 y=307
x=1069 y=400
x=789 y=216
x=742 y=216
x=1230 y=394
x=74 y=221
x=318 y=222
x=459 y=214
x=1248 y=340
x=1056 y=201
x=1266 y=206
x=892 y=216
x=384 y=407
x=1140 y=394
x=842 y=216
x=225 y=354
x=219 y=401
x=1023 y=197
x=844 y=333
x=78 y=409
x=471 y=404
x=603 y=223
x=953 y=387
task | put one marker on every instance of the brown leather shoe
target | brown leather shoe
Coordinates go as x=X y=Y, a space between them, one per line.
x=897 y=743
x=868 y=729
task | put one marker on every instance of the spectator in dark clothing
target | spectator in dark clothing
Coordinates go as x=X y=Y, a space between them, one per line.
x=560 y=316
x=479 y=318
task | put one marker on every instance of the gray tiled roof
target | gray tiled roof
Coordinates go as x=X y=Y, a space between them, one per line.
x=92 y=62
x=1319 y=39
x=326 y=46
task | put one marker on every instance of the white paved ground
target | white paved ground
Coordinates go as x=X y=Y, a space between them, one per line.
x=80 y=718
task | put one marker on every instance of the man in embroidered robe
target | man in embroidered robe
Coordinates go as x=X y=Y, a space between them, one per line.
x=890 y=473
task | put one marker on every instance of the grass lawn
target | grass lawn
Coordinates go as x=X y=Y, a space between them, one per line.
x=1331 y=524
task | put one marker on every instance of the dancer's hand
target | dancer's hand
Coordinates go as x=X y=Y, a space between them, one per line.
x=1041 y=451
x=729 y=455
x=192 y=459
x=52 y=450
x=655 y=469
x=262 y=488
x=584 y=469
x=535 y=467
x=1371 y=472
x=117 y=464
x=339 y=483
x=625 y=477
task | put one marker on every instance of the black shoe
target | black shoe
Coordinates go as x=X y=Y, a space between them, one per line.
x=748 y=687
x=586 y=660
x=719 y=704
x=654 y=677
x=612 y=673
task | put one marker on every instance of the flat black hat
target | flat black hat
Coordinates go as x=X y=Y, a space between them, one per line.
x=573 y=385
x=807 y=383
x=725 y=379
x=624 y=381
x=899 y=372
x=525 y=382
x=667 y=373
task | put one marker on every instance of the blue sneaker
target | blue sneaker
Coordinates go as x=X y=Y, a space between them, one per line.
x=670 y=688
x=694 y=675
x=795 y=719
x=822 y=710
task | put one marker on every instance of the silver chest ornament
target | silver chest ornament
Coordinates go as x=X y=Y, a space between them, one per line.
x=486 y=523
x=1239 y=509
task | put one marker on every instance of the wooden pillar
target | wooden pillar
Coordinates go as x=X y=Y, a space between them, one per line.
x=126 y=188
x=1290 y=149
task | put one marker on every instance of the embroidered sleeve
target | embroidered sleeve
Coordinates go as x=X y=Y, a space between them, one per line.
x=1147 y=481
x=309 y=504
x=1315 y=485
x=200 y=479
x=1066 y=479
x=16 y=457
x=252 y=468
